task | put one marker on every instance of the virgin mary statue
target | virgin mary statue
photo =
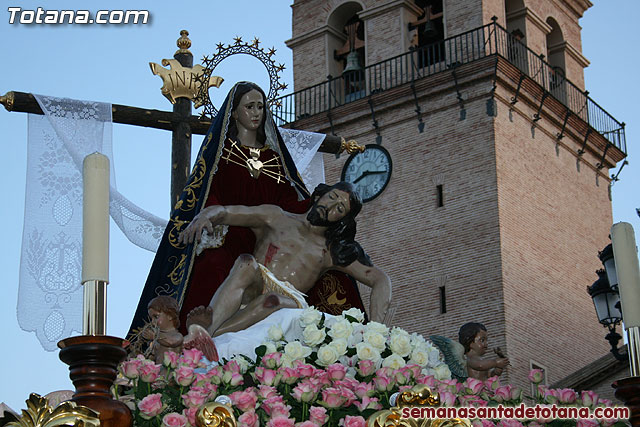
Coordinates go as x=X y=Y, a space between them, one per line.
x=242 y=161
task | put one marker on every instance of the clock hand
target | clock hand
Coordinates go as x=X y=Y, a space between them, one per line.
x=367 y=173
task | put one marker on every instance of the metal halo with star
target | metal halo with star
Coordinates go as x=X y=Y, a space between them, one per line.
x=239 y=47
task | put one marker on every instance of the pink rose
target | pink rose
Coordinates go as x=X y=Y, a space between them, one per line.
x=536 y=376
x=266 y=391
x=509 y=423
x=383 y=383
x=232 y=366
x=502 y=394
x=472 y=400
x=190 y=413
x=428 y=380
x=368 y=403
x=131 y=368
x=289 y=375
x=174 y=420
x=483 y=423
x=318 y=415
x=351 y=421
x=348 y=396
x=191 y=357
x=304 y=392
x=270 y=402
x=281 y=421
x=244 y=400
x=184 y=375
x=336 y=371
x=280 y=410
x=232 y=378
x=271 y=360
x=364 y=389
x=366 y=367
x=587 y=423
x=170 y=359
x=266 y=376
x=149 y=372
x=567 y=395
x=304 y=370
x=306 y=424
x=151 y=406
x=193 y=398
x=248 y=419
x=447 y=398
x=492 y=383
x=589 y=398
x=332 y=398
x=473 y=386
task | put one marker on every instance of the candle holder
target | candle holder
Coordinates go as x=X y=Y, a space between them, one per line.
x=93 y=363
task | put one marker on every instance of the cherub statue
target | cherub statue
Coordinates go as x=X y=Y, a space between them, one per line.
x=163 y=329
x=464 y=358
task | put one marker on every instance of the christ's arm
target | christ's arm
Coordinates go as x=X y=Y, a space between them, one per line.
x=379 y=283
x=254 y=217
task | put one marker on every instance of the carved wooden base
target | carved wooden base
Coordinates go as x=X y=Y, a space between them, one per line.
x=93 y=362
x=628 y=390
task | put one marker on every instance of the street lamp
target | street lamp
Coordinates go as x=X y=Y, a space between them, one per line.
x=606 y=300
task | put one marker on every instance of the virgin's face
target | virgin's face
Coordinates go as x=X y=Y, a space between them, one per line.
x=250 y=111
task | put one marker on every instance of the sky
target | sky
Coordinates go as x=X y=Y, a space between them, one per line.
x=109 y=63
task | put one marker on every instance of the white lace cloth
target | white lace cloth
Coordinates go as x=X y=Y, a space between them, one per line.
x=50 y=292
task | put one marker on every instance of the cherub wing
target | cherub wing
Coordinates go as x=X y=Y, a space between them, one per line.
x=199 y=338
x=453 y=353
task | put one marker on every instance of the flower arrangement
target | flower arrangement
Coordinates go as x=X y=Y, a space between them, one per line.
x=338 y=373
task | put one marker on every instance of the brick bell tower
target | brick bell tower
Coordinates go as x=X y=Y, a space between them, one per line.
x=498 y=196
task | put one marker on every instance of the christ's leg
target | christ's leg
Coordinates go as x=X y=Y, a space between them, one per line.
x=243 y=284
x=258 y=309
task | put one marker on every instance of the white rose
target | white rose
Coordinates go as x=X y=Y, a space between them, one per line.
x=271 y=347
x=420 y=357
x=442 y=372
x=341 y=329
x=394 y=362
x=355 y=313
x=434 y=356
x=367 y=352
x=327 y=354
x=417 y=340
x=310 y=316
x=377 y=327
x=295 y=350
x=286 y=361
x=356 y=334
x=242 y=363
x=340 y=345
x=275 y=333
x=313 y=336
x=400 y=344
x=375 y=339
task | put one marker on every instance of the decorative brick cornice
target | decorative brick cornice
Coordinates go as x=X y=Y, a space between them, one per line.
x=318 y=32
x=383 y=8
x=532 y=17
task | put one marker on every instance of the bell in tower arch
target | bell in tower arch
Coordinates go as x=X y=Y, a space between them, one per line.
x=353 y=63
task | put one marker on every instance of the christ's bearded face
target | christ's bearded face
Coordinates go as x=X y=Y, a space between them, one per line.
x=330 y=208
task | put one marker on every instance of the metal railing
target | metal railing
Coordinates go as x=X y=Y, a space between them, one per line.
x=488 y=40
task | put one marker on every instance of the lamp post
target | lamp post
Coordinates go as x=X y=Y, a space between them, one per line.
x=606 y=300
x=617 y=291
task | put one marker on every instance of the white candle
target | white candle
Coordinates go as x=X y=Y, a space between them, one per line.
x=626 y=257
x=95 y=218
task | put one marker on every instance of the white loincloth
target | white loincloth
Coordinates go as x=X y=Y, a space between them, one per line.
x=273 y=284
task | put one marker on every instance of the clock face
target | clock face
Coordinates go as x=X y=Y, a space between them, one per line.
x=369 y=172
